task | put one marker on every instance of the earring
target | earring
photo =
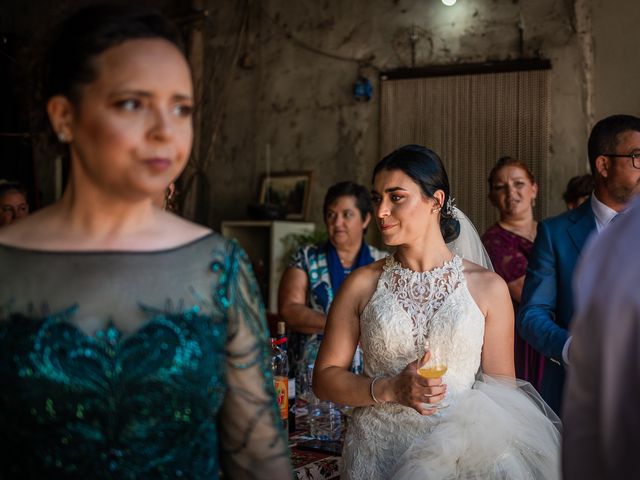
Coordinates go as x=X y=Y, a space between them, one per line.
x=533 y=202
x=436 y=209
x=62 y=138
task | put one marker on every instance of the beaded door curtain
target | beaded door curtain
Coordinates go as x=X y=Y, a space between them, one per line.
x=471 y=120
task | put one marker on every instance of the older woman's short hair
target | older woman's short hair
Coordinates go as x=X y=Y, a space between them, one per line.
x=349 y=189
x=8 y=186
x=509 y=162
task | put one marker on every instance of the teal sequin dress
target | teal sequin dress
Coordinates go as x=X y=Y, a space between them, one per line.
x=136 y=365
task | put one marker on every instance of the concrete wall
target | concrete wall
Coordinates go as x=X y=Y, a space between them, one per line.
x=299 y=101
x=616 y=65
x=267 y=83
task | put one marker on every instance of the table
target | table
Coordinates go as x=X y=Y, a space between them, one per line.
x=308 y=462
x=314 y=465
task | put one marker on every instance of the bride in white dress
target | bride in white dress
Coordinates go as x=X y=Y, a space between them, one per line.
x=495 y=427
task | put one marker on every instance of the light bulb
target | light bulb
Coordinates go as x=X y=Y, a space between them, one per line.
x=449 y=3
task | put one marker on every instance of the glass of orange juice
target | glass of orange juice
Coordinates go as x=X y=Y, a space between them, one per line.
x=435 y=367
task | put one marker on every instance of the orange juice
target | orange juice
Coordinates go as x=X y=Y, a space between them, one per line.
x=432 y=371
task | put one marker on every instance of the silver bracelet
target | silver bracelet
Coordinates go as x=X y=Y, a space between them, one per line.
x=373 y=382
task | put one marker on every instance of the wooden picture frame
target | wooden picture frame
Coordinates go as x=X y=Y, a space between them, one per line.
x=289 y=190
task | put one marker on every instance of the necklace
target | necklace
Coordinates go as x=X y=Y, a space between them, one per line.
x=345 y=261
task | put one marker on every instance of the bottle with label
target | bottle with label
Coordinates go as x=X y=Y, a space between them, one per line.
x=325 y=419
x=280 y=369
x=281 y=332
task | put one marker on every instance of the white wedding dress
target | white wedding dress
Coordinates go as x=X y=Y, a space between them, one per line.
x=493 y=428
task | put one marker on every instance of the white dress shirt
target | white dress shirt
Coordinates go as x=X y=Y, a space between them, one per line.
x=602 y=212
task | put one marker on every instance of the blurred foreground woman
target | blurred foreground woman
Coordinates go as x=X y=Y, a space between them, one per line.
x=132 y=342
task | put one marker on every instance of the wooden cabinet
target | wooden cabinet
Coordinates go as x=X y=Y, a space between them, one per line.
x=263 y=242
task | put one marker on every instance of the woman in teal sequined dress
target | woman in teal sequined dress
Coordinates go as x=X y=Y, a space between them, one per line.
x=132 y=342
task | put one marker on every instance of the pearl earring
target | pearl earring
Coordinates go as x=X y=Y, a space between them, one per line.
x=62 y=138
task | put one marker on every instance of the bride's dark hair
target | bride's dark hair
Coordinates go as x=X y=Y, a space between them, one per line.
x=425 y=168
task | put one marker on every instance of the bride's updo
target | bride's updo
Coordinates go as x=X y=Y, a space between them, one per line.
x=425 y=168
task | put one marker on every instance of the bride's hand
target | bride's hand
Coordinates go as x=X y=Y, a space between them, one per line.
x=412 y=390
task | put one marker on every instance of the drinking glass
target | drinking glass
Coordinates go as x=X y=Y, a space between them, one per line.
x=435 y=367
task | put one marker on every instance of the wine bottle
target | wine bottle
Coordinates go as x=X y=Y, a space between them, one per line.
x=280 y=369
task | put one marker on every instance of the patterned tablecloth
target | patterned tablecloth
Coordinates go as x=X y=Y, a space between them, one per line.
x=311 y=463
x=314 y=465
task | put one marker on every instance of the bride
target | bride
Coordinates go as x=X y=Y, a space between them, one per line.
x=401 y=309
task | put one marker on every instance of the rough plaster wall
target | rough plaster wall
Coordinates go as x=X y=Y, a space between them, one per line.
x=301 y=104
x=616 y=68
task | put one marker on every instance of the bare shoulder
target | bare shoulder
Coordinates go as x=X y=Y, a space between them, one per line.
x=30 y=232
x=47 y=229
x=484 y=285
x=185 y=230
x=359 y=286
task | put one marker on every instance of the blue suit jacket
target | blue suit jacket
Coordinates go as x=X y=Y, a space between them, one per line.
x=546 y=305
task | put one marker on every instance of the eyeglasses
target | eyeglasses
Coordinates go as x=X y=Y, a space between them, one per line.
x=635 y=158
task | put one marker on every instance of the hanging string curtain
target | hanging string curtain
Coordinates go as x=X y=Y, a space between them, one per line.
x=471 y=120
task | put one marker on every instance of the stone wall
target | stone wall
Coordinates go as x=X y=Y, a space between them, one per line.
x=616 y=68
x=292 y=86
x=281 y=73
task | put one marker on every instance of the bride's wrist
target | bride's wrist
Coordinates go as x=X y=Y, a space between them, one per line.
x=382 y=390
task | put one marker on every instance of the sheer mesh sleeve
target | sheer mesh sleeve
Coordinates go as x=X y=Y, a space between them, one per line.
x=510 y=264
x=252 y=442
x=507 y=257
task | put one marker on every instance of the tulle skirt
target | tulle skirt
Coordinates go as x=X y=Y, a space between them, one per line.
x=499 y=429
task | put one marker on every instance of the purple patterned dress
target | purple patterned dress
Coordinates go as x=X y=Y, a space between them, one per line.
x=509 y=254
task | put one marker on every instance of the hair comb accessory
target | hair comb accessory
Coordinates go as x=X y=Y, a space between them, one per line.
x=450 y=206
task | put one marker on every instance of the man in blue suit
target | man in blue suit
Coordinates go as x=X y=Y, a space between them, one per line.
x=547 y=305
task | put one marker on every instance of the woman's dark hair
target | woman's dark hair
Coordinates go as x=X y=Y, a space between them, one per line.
x=578 y=187
x=425 y=168
x=6 y=187
x=69 y=62
x=509 y=162
x=349 y=189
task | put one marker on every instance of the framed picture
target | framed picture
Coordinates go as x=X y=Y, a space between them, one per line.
x=290 y=191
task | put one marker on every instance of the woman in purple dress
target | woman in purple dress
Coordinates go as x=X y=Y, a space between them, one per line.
x=513 y=191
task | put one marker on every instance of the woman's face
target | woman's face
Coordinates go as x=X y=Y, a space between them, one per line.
x=512 y=192
x=344 y=221
x=13 y=206
x=131 y=131
x=404 y=214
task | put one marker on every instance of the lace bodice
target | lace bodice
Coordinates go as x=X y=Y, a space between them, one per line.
x=408 y=307
x=490 y=431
